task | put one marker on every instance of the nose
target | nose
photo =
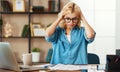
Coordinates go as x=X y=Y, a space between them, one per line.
x=71 y=21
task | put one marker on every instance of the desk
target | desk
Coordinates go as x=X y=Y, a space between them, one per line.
x=2 y=70
x=48 y=70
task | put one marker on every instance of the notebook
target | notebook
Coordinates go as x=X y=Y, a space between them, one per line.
x=8 y=60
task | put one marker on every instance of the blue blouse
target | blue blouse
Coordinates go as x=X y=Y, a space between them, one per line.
x=65 y=52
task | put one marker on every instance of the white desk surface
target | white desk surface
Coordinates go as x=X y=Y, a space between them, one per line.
x=93 y=66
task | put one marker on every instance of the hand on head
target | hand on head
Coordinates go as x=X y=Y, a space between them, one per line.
x=61 y=15
x=81 y=14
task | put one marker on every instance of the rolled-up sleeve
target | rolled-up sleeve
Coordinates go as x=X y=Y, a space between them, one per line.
x=53 y=38
x=89 y=40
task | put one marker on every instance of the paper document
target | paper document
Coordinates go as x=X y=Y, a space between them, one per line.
x=68 y=67
x=42 y=65
x=37 y=66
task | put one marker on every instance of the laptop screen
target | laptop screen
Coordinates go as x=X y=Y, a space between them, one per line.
x=7 y=58
x=113 y=62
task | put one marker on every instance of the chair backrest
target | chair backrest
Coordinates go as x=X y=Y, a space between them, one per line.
x=93 y=59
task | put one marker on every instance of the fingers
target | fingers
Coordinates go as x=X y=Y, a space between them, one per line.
x=81 y=14
x=79 y=10
x=61 y=15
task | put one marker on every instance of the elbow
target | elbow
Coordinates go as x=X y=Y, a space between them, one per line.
x=47 y=34
x=91 y=35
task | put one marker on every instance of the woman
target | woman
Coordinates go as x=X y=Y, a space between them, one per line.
x=69 y=40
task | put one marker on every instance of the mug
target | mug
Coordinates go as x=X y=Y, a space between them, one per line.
x=27 y=59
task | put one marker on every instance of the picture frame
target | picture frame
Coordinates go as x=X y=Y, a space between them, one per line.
x=36 y=25
x=37 y=30
x=18 y=5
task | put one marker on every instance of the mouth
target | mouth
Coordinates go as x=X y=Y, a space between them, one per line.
x=70 y=24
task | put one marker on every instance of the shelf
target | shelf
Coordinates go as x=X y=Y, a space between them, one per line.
x=14 y=12
x=14 y=37
x=28 y=16
x=29 y=12
x=39 y=37
x=22 y=37
x=44 y=12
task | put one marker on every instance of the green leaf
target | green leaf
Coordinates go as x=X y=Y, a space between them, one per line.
x=35 y=50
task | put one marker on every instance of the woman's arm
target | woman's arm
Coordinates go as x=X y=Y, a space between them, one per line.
x=51 y=29
x=88 y=29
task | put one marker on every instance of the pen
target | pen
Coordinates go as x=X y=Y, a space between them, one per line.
x=47 y=66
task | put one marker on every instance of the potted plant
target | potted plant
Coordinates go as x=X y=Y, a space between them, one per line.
x=36 y=55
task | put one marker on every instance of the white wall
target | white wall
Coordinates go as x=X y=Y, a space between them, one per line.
x=101 y=16
x=117 y=24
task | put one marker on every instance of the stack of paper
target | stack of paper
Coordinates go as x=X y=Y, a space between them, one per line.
x=68 y=67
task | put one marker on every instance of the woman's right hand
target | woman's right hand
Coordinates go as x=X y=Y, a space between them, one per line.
x=51 y=29
x=61 y=15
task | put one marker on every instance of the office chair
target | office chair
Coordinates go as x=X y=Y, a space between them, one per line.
x=93 y=59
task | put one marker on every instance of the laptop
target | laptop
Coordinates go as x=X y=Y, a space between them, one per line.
x=8 y=60
x=113 y=63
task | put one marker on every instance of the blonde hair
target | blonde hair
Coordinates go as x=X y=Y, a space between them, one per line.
x=69 y=8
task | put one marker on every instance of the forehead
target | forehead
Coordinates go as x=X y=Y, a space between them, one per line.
x=71 y=15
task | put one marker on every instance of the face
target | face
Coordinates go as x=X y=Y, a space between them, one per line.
x=71 y=20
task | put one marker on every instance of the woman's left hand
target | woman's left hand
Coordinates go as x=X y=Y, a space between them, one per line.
x=81 y=14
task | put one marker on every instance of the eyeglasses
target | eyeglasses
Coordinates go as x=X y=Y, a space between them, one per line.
x=68 y=20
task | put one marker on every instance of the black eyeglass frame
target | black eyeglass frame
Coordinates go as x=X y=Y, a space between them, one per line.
x=68 y=20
